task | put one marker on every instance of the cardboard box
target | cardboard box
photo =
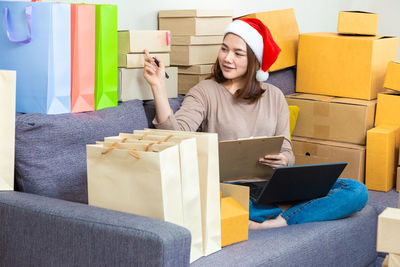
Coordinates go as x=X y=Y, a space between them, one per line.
x=196 y=40
x=137 y=41
x=186 y=55
x=342 y=65
x=357 y=22
x=385 y=262
x=132 y=85
x=388 y=235
x=196 y=69
x=394 y=260
x=285 y=31
x=137 y=60
x=392 y=78
x=234 y=213
x=380 y=159
x=194 y=22
x=388 y=108
x=314 y=151
x=187 y=81
x=333 y=118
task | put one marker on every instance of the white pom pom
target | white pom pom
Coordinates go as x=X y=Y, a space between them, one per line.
x=262 y=76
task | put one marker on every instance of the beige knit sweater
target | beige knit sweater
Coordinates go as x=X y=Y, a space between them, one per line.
x=210 y=107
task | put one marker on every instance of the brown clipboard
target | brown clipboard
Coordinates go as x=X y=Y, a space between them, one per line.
x=238 y=159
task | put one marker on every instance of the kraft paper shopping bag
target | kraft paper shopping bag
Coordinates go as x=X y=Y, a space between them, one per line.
x=106 y=75
x=208 y=162
x=35 y=40
x=189 y=180
x=83 y=26
x=7 y=126
x=127 y=178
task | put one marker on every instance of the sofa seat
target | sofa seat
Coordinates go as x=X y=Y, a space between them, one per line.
x=346 y=242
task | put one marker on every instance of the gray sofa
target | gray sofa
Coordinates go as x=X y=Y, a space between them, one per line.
x=47 y=222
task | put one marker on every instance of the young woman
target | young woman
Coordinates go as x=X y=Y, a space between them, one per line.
x=235 y=103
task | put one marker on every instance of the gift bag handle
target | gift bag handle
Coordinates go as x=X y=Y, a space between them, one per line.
x=28 y=16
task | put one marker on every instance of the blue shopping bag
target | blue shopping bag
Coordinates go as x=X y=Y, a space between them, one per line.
x=35 y=40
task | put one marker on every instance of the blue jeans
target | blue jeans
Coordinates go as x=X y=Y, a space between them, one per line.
x=346 y=197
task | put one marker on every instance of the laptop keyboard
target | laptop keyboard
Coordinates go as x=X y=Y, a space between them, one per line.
x=256 y=189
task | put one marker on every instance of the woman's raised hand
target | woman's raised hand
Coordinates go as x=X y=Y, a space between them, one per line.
x=154 y=75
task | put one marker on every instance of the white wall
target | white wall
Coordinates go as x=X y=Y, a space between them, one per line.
x=312 y=15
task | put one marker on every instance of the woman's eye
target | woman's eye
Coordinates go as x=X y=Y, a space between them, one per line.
x=239 y=55
x=223 y=48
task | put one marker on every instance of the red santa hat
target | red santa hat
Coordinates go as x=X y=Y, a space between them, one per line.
x=259 y=39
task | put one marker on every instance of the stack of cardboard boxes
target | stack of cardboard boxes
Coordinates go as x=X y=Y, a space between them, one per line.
x=347 y=71
x=388 y=236
x=196 y=37
x=131 y=45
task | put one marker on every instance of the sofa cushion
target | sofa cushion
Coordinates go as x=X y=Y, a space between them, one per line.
x=346 y=242
x=150 y=108
x=284 y=79
x=50 y=150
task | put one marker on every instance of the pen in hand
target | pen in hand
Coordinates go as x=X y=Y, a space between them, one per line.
x=158 y=64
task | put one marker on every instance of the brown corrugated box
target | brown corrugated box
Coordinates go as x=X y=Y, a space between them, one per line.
x=133 y=41
x=137 y=60
x=314 y=151
x=194 y=22
x=196 y=40
x=187 y=81
x=357 y=22
x=333 y=118
x=196 y=69
x=186 y=55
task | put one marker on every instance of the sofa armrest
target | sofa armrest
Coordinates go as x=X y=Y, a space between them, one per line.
x=42 y=231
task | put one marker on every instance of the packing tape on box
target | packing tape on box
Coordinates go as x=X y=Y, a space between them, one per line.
x=321 y=109
x=321 y=131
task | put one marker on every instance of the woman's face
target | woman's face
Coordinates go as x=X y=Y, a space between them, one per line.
x=232 y=57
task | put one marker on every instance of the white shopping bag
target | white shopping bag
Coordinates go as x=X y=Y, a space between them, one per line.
x=7 y=133
x=136 y=178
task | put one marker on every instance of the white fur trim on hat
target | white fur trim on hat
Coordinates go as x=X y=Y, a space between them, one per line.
x=250 y=35
x=262 y=76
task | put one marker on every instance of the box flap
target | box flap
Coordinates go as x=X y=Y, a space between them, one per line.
x=238 y=192
x=332 y=99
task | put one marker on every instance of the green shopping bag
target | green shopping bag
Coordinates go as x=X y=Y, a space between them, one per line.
x=106 y=73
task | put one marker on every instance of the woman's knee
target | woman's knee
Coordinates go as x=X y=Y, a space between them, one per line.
x=357 y=193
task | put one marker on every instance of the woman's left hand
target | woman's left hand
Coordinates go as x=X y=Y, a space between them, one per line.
x=274 y=160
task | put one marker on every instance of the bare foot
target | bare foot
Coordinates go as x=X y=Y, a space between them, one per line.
x=274 y=223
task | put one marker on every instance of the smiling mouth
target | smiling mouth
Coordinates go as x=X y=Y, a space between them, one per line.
x=227 y=67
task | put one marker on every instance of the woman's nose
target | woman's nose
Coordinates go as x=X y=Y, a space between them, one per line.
x=228 y=57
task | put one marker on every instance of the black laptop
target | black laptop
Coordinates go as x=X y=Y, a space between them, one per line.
x=296 y=183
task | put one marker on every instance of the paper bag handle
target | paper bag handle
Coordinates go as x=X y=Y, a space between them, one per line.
x=114 y=145
x=28 y=16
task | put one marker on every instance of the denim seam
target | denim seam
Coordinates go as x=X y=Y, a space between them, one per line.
x=287 y=217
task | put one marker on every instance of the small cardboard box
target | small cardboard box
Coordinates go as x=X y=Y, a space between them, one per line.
x=392 y=78
x=186 y=55
x=285 y=31
x=132 y=85
x=234 y=213
x=357 y=22
x=314 y=151
x=385 y=262
x=196 y=40
x=196 y=69
x=137 y=60
x=187 y=81
x=388 y=108
x=388 y=235
x=333 y=118
x=394 y=260
x=137 y=41
x=342 y=65
x=194 y=22
x=381 y=160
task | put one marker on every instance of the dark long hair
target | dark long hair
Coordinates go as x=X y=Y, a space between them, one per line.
x=252 y=90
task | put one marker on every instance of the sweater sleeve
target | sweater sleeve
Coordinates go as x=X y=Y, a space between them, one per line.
x=283 y=128
x=190 y=115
